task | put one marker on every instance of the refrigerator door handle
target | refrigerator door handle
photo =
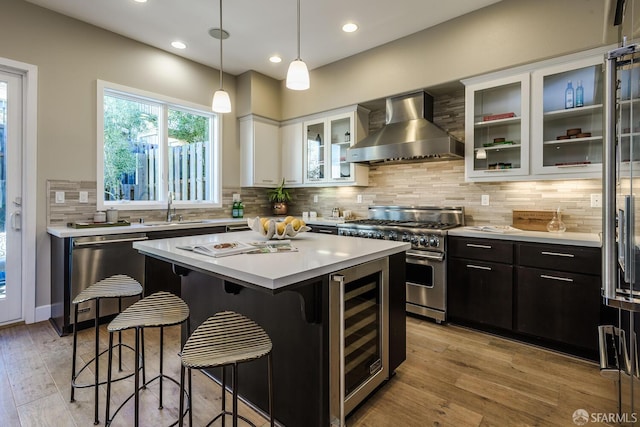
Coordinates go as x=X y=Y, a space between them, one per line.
x=621 y=239
x=628 y=229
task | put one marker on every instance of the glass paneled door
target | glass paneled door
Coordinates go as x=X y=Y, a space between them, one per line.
x=11 y=121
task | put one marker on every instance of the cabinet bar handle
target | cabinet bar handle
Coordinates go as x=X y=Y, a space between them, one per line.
x=267 y=180
x=473 y=245
x=478 y=267
x=326 y=231
x=557 y=254
x=564 y=279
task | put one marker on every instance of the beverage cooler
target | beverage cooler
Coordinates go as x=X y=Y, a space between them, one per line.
x=621 y=222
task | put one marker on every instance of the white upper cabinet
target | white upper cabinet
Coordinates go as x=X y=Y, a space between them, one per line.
x=326 y=140
x=567 y=112
x=497 y=128
x=259 y=152
x=539 y=121
x=292 y=153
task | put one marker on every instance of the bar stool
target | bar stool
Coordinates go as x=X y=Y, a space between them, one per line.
x=226 y=338
x=117 y=286
x=158 y=310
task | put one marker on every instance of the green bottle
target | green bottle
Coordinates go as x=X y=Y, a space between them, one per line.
x=240 y=210
x=234 y=210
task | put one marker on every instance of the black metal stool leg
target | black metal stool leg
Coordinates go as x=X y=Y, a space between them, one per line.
x=161 y=362
x=181 y=407
x=96 y=421
x=144 y=375
x=235 y=395
x=119 y=338
x=224 y=393
x=190 y=400
x=75 y=346
x=107 y=421
x=137 y=377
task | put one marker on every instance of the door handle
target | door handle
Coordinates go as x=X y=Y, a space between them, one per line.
x=15 y=219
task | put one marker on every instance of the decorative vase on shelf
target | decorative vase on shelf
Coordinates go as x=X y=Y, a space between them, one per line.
x=556 y=225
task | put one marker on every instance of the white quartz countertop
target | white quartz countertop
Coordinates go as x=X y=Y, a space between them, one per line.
x=144 y=227
x=566 y=238
x=318 y=254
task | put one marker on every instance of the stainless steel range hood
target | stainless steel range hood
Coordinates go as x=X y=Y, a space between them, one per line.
x=409 y=135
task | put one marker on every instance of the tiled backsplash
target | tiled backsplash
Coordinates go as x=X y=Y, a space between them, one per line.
x=59 y=214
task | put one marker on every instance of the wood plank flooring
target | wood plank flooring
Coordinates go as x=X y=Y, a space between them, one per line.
x=452 y=377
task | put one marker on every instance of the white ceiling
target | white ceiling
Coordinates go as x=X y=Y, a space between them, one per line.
x=261 y=28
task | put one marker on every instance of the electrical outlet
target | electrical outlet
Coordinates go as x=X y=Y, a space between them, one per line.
x=83 y=197
x=359 y=198
x=484 y=201
x=315 y=198
x=596 y=200
x=59 y=196
x=236 y=197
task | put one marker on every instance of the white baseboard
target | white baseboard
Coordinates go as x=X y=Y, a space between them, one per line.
x=43 y=312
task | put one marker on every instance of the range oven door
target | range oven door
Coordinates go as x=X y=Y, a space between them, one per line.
x=426 y=289
x=359 y=335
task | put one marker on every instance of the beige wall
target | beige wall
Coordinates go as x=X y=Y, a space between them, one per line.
x=71 y=55
x=508 y=33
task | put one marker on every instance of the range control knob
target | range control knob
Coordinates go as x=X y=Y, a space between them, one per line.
x=392 y=236
x=424 y=241
x=434 y=241
x=415 y=239
x=406 y=237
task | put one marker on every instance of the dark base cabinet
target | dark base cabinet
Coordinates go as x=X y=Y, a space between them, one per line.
x=545 y=294
x=481 y=292
x=562 y=307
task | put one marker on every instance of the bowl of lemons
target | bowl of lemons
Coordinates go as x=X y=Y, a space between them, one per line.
x=274 y=229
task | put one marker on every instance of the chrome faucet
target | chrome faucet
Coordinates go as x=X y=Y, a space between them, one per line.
x=170 y=215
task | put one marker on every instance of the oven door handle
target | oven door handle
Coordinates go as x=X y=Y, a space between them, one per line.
x=430 y=256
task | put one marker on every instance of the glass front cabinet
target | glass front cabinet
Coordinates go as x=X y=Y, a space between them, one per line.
x=326 y=141
x=497 y=128
x=540 y=121
x=567 y=107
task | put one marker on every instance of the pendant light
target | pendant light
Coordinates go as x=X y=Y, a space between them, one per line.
x=298 y=74
x=221 y=102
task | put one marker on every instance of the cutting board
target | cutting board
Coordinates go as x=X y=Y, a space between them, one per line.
x=532 y=220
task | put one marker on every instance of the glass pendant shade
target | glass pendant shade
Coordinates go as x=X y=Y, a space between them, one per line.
x=298 y=75
x=221 y=102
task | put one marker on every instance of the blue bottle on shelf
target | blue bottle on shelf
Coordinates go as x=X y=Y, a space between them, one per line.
x=568 y=96
x=579 y=95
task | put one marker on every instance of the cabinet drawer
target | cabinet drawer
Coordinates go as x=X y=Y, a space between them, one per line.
x=482 y=249
x=574 y=259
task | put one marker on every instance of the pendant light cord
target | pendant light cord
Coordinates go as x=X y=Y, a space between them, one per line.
x=221 y=35
x=298 y=30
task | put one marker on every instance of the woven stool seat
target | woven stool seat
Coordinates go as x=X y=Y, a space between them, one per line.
x=159 y=309
x=116 y=286
x=225 y=338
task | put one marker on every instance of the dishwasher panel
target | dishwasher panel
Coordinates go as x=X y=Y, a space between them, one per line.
x=85 y=261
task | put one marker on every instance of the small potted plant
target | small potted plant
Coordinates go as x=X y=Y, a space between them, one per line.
x=279 y=196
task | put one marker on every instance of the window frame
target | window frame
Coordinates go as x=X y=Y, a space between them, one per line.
x=165 y=103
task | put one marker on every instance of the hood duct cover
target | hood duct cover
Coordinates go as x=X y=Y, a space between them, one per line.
x=409 y=135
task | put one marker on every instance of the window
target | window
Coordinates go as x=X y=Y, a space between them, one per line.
x=150 y=146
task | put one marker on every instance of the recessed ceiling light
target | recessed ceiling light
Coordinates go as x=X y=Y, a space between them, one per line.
x=349 y=27
x=178 y=45
x=275 y=59
x=140 y=1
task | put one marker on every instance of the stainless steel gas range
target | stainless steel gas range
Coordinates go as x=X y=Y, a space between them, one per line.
x=425 y=227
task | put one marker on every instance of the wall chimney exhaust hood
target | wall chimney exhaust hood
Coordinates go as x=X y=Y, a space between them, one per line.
x=409 y=135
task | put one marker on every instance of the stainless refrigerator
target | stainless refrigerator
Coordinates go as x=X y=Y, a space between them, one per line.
x=620 y=235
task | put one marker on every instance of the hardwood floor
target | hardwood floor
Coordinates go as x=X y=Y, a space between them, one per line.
x=452 y=377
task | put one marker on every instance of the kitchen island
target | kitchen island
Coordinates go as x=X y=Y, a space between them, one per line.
x=293 y=297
